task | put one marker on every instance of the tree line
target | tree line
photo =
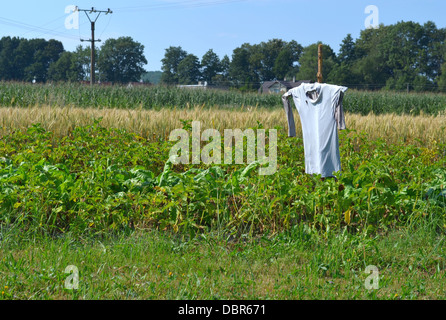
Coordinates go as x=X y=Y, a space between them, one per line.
x=402 y=56
x=117 y=60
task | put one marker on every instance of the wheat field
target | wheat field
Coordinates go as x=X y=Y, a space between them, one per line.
x=157 y=124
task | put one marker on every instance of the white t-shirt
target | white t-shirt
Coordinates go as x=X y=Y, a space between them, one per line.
x=320 y=109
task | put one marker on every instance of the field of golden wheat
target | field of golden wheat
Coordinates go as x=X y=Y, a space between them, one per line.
x=157 y=124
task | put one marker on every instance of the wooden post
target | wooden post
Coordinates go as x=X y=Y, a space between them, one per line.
x=319 y=63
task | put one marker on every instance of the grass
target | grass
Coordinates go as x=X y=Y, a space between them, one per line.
x=290 y=266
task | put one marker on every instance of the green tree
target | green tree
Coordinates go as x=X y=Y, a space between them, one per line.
x=343 y=72
x=211 y=66
x=24 y=60
x=121 y=60
x=14 y=58
x=284 y=64
x=67 y=68
x=189 y=70
x=172 y=58
x=83 y=57
x=278 y=58
x=222 y=78
x=347 y=51
x=42 y=53
x=241 y=72
x=225 y=64
x=296 y=51
x=371 y=63
x=431 y=55
x=399 y=55
x=274 y=59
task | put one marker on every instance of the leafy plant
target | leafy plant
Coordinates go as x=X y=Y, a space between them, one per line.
x=98 y=180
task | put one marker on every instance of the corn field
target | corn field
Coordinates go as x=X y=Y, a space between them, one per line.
x=157 y=97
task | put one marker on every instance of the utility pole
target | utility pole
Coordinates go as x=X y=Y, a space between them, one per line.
x=92 y=40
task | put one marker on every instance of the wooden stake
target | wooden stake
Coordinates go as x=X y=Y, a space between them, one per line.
x=319 y=63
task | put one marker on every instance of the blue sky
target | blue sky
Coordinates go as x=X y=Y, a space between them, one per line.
x=200 y=25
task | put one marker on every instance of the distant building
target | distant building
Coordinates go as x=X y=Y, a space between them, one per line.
x=278 y=86
x=200 y=85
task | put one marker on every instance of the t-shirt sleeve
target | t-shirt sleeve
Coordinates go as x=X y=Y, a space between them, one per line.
x=286 y=99
x=339 y=111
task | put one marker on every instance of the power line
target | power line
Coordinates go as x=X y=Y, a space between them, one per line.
x=32 y=28
x=74 y=37
x=106 y=26
x=45 y=24
x=180 y=4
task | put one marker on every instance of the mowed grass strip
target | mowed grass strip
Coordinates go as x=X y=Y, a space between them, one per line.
x=292 y=266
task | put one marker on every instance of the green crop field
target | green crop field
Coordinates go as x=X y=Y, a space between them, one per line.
x=112 y=190
x=100 y=179
x=361 y=102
